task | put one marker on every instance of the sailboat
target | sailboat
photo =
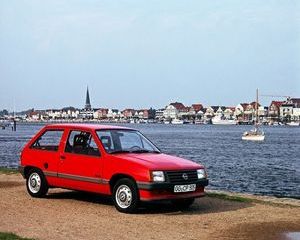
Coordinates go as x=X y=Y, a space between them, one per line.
x=255 y=134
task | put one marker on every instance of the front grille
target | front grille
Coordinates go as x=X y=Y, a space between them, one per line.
x=177 y=176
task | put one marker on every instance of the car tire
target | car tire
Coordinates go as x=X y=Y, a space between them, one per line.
x=126 y=196
x=36 y=183
x=183 y=204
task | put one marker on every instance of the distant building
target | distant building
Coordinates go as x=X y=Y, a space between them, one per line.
x=128 y=113
x=290 y=110
x=219 y=110
x=113 y=113
x=173 y=109
x=250 y=111
x=296 y=109
x=87 y=112
x=274 y=110
x=239 y=110
x=159 y=114
x=197 y=107
x=286 y=110
x=87 y=100
x=101 y=113
x=35 y=116
x=229 y=113
x=262 y=113
x=142 y=113
x=209 y=113
x=194 y=112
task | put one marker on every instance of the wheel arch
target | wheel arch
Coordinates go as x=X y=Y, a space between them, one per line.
x=28 y=168
x=116 y=177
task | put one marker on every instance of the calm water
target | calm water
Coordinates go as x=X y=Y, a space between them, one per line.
x=271 y=167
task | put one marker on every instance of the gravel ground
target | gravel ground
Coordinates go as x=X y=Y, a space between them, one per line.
x=65 y=214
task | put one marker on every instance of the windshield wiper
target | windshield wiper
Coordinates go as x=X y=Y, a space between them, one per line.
x=144 y=151
x=120 y=151
x=134 y=151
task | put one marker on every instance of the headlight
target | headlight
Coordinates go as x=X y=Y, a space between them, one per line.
x=158 y=176
x=201 y=173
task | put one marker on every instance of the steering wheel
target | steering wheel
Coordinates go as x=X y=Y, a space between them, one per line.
x=135 y=148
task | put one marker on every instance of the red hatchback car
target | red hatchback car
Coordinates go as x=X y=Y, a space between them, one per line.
x=109 y=160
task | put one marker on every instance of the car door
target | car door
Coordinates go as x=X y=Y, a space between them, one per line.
x=44 y=153
x=80 y=164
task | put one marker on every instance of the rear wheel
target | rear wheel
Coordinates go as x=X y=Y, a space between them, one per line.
x=183 y=204
x=125 y=196
x=36 y=183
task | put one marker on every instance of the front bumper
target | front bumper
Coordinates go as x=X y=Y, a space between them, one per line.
x=167 y=185
x=165 y=191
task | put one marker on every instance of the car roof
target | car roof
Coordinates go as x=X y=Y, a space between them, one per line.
x=86 y=126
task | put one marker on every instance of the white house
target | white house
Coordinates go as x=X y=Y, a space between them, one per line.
x=159 y=114
x=209 y=113
x=286 y=110
x=228 y=113
x=172 y=110
x=296 y=114
x=219 y=112
x=113 y=113
x=240 y=109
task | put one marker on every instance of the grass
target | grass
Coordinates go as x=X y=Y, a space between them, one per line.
x=230 y=198
x=224 y=196
x=11 y=236
x=8 y=171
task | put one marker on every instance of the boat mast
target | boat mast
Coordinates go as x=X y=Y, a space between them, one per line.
x=256 y=109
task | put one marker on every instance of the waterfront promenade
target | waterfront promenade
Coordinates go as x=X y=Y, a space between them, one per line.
x=65 y=214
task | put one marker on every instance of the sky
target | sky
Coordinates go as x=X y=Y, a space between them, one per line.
x=143 y=54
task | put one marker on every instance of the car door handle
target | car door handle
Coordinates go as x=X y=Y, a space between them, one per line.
x=62 y=157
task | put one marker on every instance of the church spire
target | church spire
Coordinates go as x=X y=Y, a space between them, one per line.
x=87 y=99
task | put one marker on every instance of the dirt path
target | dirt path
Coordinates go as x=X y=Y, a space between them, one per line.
x=71 y=215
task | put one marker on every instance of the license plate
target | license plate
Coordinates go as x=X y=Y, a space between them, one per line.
x=185 y=188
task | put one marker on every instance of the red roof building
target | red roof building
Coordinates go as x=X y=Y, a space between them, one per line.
x=179 y=106
x=197 y=107
x=274 y=108
x=128 y=113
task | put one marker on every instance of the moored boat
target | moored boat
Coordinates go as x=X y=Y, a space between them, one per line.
x=177 y=121
x=198 y=122
x=218 y=120
x=255 y=134
x=293 y=124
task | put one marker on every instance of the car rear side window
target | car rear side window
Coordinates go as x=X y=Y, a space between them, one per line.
x=48 y=141
x=81 y=142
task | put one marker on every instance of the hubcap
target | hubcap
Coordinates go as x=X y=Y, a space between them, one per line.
x=123 y=196
x=34 y=182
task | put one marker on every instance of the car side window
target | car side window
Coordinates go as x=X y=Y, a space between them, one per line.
x=81 y=142
x=48 y=141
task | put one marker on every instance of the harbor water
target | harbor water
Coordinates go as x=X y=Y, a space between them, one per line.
x=271 y=167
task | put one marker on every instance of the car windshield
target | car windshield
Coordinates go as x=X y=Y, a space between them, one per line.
x=125 y=141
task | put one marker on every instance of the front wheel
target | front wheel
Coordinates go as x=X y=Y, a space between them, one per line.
x=183 y=204
x=125 y=196
x=36 y=183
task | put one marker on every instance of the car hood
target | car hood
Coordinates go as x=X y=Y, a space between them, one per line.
x=161 y=161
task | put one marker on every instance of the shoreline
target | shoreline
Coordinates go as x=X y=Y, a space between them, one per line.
x=148 y=121
x=248 y=197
